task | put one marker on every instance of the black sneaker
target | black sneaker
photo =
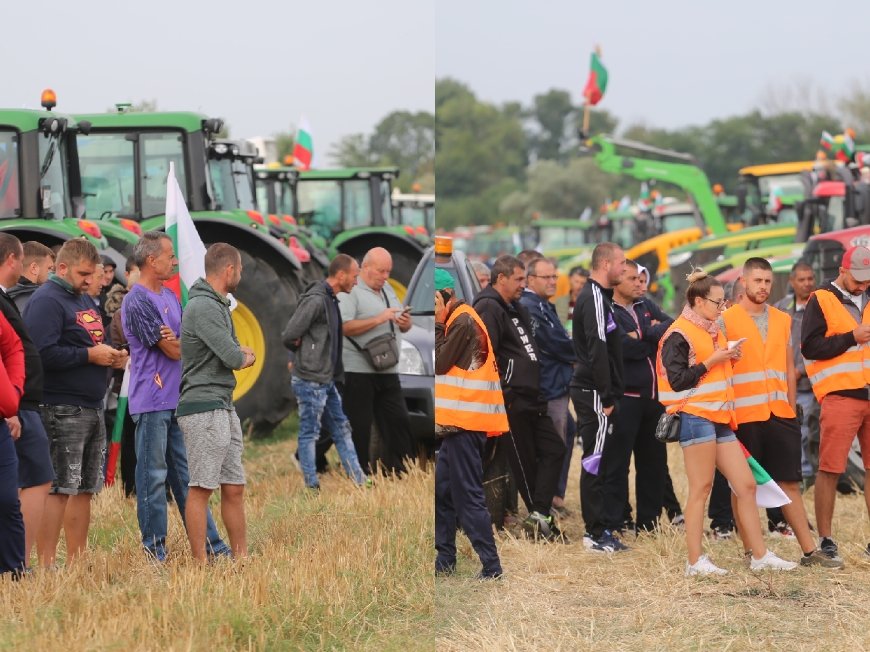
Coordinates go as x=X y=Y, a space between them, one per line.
x=829 y=548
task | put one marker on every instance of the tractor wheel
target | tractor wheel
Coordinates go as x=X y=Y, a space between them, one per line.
x=265 y=303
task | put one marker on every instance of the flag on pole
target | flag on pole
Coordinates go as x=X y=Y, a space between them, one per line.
x=596 y=84
x=188 y=246
x=767 y=492
x=827 y=141
x=303 y=149
x=118 y=428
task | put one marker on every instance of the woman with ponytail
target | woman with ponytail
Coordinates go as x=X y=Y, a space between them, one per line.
x=694 y=374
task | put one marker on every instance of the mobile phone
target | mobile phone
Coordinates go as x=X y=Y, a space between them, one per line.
x=123 y=347
x=735 y=343
x=445 y=295
x=406 y=310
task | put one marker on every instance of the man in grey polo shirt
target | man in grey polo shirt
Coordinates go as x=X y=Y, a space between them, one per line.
x=370 y=309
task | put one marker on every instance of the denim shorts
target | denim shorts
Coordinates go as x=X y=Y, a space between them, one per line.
x=77 y=438
x=697 y=430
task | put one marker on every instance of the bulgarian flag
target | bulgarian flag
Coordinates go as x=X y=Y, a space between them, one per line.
x=827 y=141
x=767 y=492
x=596 y=85
x=847 y=148
x=189 y=248
x=118 y=428
x=303 y=149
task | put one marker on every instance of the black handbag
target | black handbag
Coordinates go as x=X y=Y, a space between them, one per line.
x=382 y=351
x=668 y=427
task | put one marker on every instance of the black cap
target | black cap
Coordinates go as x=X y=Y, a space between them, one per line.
x=108 y=261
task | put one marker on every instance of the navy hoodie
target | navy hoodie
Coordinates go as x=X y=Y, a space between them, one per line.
x=554 y=345
x=63 y=326
x=638 y=355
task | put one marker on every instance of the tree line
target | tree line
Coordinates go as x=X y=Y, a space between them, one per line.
x=506 y=163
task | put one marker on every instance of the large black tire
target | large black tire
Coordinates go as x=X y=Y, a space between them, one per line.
x=266 y=300
x=404 y=266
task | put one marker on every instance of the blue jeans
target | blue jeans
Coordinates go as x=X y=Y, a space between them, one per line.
x=807 y=401
x=321 y=401
x=160 y=455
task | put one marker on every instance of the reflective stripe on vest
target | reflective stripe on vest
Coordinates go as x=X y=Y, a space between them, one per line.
x=760 y=374
x=471 y=400
x=850 y=369
x=714 y=397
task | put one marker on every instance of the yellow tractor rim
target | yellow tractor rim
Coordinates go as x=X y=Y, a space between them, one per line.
x=250 y=334
x=400 y=289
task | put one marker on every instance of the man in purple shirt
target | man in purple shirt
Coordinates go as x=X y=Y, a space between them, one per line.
x=151 y=319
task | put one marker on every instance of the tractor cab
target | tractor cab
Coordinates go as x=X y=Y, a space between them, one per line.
x=416 y=210
x=230 y=166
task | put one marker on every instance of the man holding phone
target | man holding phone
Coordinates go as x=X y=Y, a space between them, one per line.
x=764 y=401
x=374 y=396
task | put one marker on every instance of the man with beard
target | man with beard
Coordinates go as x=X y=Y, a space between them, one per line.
x=834 y=339
x=803 y=283
x=764 y=398
x=210 y=352
x=595 y=389
x=535 y=449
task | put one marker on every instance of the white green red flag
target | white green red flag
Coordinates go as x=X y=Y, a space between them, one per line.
x=189 y=248
x=596 y=83
x=826 y=141
x=118 y=428
x=303 y=149
x=767 y=492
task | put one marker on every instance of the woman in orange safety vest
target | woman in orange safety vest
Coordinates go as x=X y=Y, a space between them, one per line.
x=694 y=375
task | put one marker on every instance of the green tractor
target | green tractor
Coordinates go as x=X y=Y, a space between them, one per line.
x=351 y=208
x=414 y=209
x=561 y=239
x=124 y=162
x=276 y=196
x=40 y=183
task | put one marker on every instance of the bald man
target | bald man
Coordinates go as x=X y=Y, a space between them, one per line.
x=372 y=309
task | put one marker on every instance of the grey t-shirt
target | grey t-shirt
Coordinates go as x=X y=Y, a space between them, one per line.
x=761 y=321
x=363 y=303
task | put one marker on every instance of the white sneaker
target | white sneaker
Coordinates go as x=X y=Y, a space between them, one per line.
x=771 y=562
x=704 y=567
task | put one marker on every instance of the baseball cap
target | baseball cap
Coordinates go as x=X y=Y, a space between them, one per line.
x=108 y=262
x=444 y=280
x=857 y=261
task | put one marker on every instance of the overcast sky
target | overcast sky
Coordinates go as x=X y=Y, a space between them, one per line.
x=671 y=63
x=259 y=65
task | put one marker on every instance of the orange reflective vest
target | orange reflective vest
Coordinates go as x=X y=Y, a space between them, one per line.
x=713 y=398
x=761 y=374
x=471 y=400
x=849 y=370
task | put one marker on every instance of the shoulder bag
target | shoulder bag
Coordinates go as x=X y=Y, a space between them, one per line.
x=382 y=351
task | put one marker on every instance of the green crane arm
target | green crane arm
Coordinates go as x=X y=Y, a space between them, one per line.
x=686 y=175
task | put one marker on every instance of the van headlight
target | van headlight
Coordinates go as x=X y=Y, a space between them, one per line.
x=410 y=360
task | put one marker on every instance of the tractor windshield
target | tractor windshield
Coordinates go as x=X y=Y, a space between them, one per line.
x=112 y=185
x=555 y=237
x=9 y=203
x=320 y=205
x=231 y=182
x=53 y=187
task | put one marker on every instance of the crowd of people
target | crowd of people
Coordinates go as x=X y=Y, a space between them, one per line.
x=746 y=379
x=68 y=335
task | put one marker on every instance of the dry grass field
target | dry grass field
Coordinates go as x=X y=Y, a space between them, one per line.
x=561 y=597
x=351 y=569
x=348 y=569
